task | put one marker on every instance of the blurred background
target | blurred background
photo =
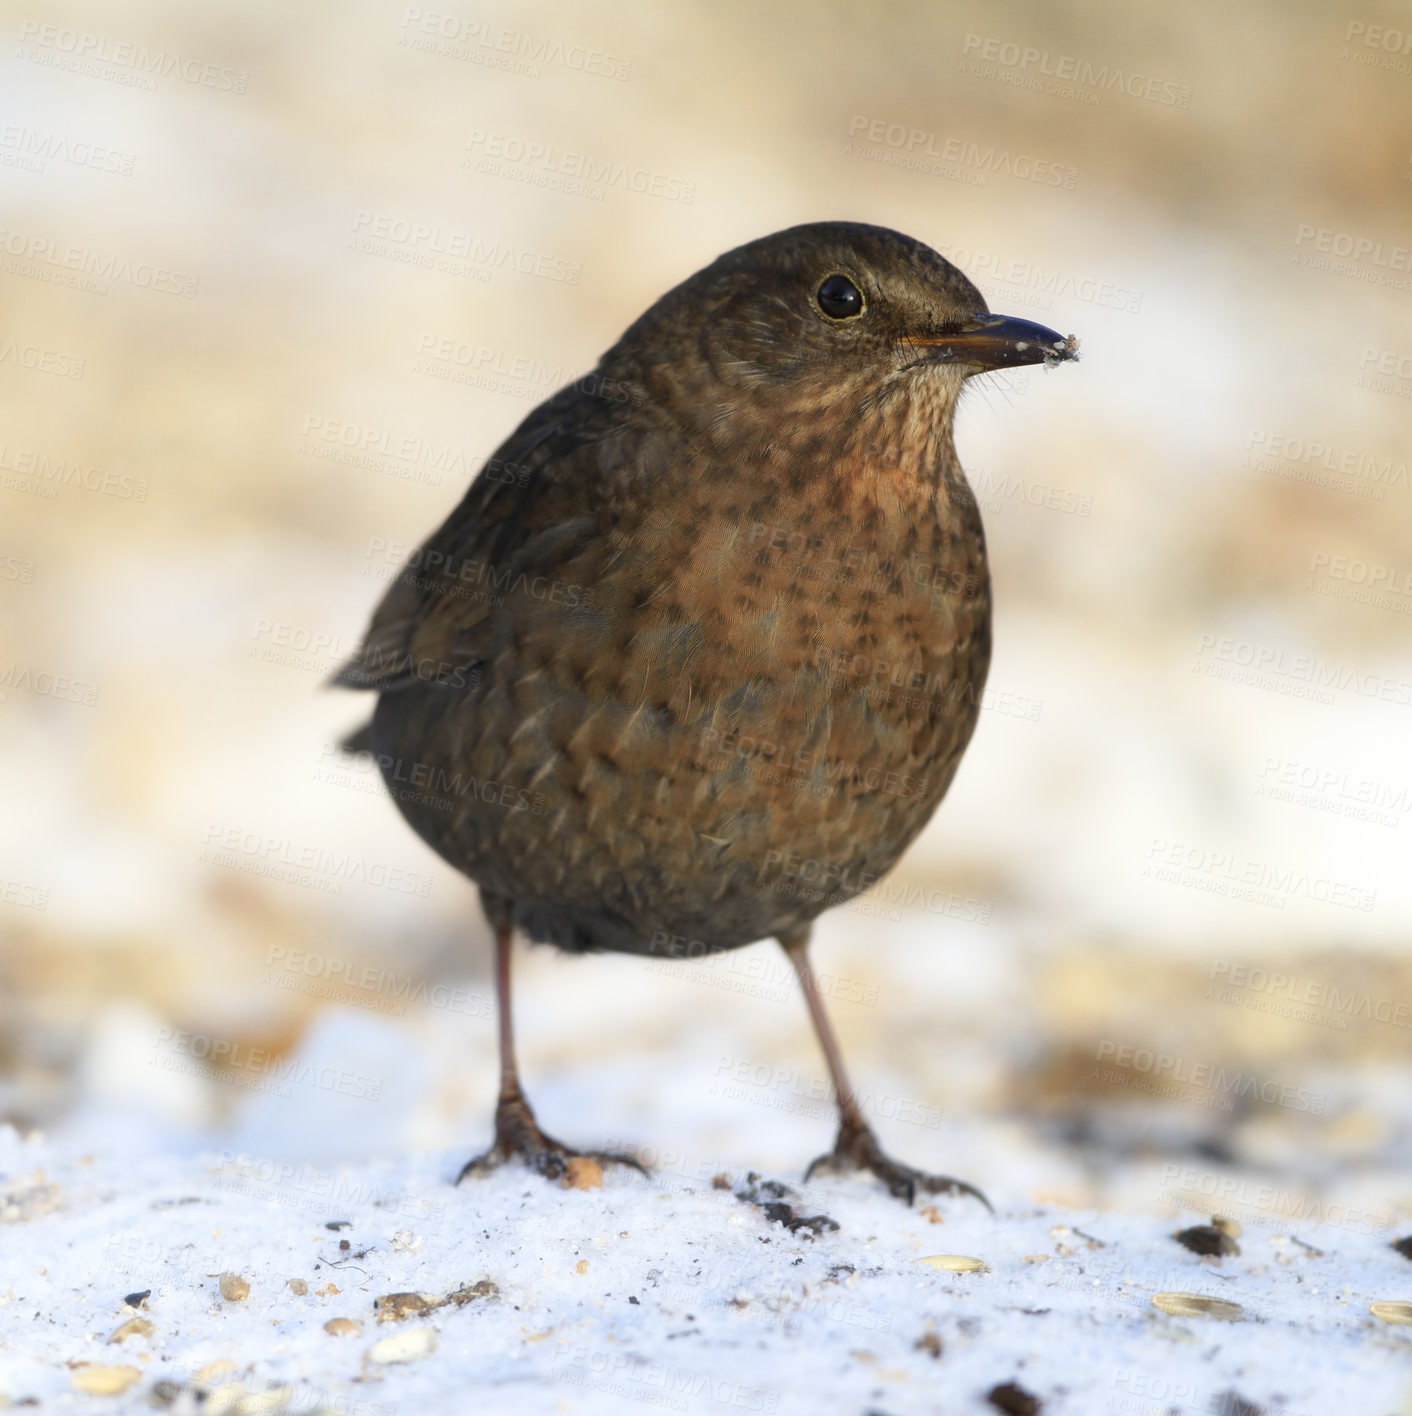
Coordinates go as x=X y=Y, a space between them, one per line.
x=276 y=280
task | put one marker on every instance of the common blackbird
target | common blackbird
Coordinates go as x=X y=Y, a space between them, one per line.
x=698 y=653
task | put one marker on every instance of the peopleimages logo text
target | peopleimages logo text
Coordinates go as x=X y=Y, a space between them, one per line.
x=1070 y=69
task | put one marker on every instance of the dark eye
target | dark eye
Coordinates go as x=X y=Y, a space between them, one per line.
x=839 y=298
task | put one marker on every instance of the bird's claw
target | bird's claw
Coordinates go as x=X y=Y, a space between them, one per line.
x=518 y=1137
x=857 y=1149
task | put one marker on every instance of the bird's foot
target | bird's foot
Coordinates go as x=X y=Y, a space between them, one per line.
x=518 y=1136
x=857 y=1148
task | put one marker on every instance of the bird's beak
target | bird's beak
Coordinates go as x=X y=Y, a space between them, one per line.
x=991 y=342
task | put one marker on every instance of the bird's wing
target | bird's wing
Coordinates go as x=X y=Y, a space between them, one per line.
x=532 y=494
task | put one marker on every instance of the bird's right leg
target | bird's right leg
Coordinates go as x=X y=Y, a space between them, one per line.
x=517 y=1133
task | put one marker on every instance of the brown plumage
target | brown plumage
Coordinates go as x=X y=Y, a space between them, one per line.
x=698 y=654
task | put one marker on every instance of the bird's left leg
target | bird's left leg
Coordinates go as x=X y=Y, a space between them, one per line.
x=856 y=1147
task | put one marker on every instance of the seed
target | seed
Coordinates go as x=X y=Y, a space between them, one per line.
x=404 y=1347
x=1194 y=1305
x=955 y=1263
x=97 y=1380
x=1392 y=1310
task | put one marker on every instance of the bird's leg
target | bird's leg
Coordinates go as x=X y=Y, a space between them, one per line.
x=517 y=1133
x=856 y=1147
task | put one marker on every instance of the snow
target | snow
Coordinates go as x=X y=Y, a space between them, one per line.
x=673 y=1292
x=684 y=1290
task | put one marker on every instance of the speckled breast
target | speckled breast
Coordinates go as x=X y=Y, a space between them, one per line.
x=676 y=756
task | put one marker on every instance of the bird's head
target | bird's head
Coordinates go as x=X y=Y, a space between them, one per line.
x=829 y=316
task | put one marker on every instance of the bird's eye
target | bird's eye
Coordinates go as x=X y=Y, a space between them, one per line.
x=839 y=298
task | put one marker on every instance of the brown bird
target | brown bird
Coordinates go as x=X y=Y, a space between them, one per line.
x=713 y=622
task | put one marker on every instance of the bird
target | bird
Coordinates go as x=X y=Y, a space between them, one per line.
x=713 y=621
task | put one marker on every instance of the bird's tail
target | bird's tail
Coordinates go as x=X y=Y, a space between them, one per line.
x=360 y=740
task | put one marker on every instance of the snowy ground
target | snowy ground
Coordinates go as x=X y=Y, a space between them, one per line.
x=673 y=1292
x=1000 y=1062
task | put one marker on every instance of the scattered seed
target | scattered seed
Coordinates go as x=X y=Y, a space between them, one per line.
x=404 y=1346
x=582 y=1173
x=134 y=1327
x=395 y=1307
x=1013 y=1400
x=136 y=1300
x=97 y=1380
x=1392 y=1310
x=930 y=1343
x=469 y=1292
x=234 y=1289
x=343 y=1327
x=298 y=1287
x=1195 y=1305
x=955 y=1263
x=771 y=1196
x=1207 y=1240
